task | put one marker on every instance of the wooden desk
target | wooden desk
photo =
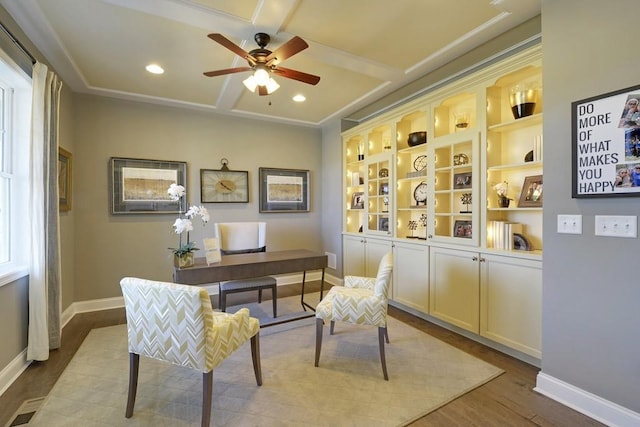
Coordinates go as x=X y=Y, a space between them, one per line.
x=245 y=266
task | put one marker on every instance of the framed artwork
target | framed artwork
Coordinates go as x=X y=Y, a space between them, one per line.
x=284 y=190
x=140 y=186
x=463 y=228
x=605 y=133
x=357 y=200
x=384 y=188
x=224 y=186
x=383 y=224
x=462 y=180
x=64 y=179
x=531 y=194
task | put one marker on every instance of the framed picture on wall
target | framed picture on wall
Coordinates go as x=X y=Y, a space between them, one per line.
x=139 y=186
x=284 y=190
x=64 y=179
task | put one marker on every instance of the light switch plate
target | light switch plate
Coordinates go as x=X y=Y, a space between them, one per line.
x=570 y=224
x=617 y=226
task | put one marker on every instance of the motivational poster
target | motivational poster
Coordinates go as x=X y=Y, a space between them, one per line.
x=606 y=144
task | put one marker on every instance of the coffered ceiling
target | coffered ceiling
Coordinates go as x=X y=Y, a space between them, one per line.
x=361 y=49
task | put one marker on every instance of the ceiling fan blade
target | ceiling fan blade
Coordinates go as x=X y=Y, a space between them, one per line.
x=287 y=50
x=219 y=38
x=297 y=75
x=226 y=71
x=262 y=91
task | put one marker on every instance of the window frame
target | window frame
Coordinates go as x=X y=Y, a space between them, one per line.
x=16 y=110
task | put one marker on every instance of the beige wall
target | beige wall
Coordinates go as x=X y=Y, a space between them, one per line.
x=109 y=247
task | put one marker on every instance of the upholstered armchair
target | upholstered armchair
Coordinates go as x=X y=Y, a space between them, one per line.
x=241 y=238
x=175 y=323
x=362 y=301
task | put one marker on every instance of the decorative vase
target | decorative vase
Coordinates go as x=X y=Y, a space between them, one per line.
x=503 y=202
x=184 y=260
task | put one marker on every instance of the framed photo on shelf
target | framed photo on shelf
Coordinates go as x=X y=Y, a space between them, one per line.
x=139 y=186
x=462 y=228
x=531 y=194
x=383 y=224
x=462 y=180
x=384 y=188
x=64 y=179
x=284 y=190
x=224 y=186
x=357 y=200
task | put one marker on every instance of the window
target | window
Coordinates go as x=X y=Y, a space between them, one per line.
x=15 y=119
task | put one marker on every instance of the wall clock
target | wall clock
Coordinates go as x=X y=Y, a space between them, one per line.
x=224 y=186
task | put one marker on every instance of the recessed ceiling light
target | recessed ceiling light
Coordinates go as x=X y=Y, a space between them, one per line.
x=154 y=69
x=299 y=98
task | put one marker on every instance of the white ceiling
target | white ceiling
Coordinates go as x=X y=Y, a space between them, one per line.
x=361 y=49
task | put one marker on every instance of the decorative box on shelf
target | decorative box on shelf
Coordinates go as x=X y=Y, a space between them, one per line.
x=416 y=174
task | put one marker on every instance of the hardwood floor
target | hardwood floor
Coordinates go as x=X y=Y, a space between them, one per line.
x=508 y=400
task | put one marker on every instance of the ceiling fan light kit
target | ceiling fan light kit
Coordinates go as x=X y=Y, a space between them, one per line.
x=263 y=62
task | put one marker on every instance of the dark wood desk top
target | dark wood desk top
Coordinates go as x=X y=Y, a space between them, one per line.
x=244 y=266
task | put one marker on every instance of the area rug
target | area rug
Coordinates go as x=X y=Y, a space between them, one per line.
x=347 y=389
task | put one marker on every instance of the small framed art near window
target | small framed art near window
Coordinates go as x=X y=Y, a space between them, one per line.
x=284 y=190
x=64 y=180
x=140 y=185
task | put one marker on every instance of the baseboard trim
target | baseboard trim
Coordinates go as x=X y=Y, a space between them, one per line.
x=118 y=302
x=13 y=370
x=593 y=406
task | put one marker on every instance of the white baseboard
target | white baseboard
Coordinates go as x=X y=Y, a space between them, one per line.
x=118 y=302
x=12 y=371
x=593 y=406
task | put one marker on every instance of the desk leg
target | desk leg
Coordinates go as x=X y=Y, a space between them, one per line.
x=304 y=304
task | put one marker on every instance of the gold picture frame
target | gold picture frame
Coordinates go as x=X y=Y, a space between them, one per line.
x=65 y=175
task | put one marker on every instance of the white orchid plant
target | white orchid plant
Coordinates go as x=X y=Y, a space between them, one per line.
x=501 y=189
x=184 y=223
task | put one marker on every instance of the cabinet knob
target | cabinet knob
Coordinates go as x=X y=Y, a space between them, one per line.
x=482 y=259
x=475 y=258
x=430 y=236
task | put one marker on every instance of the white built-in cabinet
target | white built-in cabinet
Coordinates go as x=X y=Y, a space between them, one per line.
x=452 y=261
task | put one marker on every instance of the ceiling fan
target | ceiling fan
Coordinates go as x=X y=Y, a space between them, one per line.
x=264 y=62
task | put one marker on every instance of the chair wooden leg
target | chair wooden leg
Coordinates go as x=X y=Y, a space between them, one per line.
x=134 y=363
x=381 y=336
x=255 y=357
x=220 y=297
x=331 y=326
x=319 y=325
x=259 y=296
x=386 y=334
x=207 y=391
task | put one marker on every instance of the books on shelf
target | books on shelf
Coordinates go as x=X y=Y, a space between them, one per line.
x=500 y=234
x=537 y=148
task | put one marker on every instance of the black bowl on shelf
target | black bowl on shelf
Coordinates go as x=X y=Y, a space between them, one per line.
x=416 y=138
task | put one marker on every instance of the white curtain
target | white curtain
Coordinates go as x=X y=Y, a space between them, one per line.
x=45 y=269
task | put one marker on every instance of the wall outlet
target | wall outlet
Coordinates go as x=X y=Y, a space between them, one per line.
x=617 y=226
x=570 y=224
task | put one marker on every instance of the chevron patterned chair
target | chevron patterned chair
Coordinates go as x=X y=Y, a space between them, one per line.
x=175 y=323
x=363 y=301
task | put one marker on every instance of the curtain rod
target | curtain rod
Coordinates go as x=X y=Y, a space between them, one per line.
x=17 y=43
